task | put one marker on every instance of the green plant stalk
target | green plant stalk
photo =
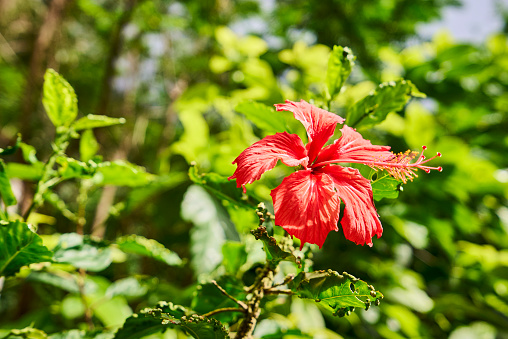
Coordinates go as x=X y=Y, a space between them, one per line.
x=47 y=180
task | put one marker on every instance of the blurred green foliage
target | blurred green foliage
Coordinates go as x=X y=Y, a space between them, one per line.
x=182 y=75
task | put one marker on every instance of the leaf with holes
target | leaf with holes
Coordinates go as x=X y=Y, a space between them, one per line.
x=166 y=315
x=20 y=246
x=338 y=293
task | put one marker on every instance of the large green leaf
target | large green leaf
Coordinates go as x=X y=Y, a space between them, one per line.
x=275 y=253
x=208 y=298
x=212 y=226
x=5 y=187
x=82 y=252
x=234 y=255
x=95 y=121
x=59 y=99
x=167 y=315
x=263 y=116
x=340 y=63
x=338 y=293
x=221 y=187
x=137 y=244
x=388 y=97
x=121 y=173
x=20 y=246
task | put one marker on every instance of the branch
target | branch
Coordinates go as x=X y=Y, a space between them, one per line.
x=223 y=291
x=225 y=309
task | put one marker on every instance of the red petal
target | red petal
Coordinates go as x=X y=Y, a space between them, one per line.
x=263 y=155
x=352 y=147
x=307 y=206
x=360 y=221
x=320 y=124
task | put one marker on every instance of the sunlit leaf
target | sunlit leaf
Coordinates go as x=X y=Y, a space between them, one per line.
x=121 y=173
x=5 y=187
x=338 y=293
x=72 y=168
x=340 y=63
x=59 y=99
x=137 y=244
x=20 y=246
x=166 y=315
x=88 y=145
x=82 y=252
x=94 y=121
x=263 y=116
x=127 y=287
x=27 y=332
x=385 y=187
x=23 y=171
x=388 y=97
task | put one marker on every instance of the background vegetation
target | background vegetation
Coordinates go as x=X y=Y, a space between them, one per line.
x=176 y=71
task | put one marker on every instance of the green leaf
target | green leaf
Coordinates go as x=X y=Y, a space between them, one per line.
x=65 y=282
x=20 y=246
x=263 y=116
x=221 y=187
x=82 y=252
x=208 y=298
x=234 y=255
x=88 y=145
x=24 y=172
x=137 y=244
x=388 y=97
x=385 y=187
x=127 y=287
x=121 y=173
x=5 y=187
x=338 y=293
x=59 y=99
x=72 y=168
x=340 y=63
x=27 y=332
x=166 y=315
x=275 y=253
x=95 y=121
x=29 y=153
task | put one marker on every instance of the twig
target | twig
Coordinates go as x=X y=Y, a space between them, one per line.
x=225 y=309
x=277 y=291
x=81 y=287
x=223 y=291
x=287 y=279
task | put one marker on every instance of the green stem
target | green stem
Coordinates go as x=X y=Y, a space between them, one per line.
x=47 y=180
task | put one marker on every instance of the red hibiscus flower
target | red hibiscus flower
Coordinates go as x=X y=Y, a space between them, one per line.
x=307 y=202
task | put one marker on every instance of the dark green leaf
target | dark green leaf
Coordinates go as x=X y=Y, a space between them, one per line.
x=88 y=145
x=11 y=149
x=20 y=246
x=82 y=252
x=95 y=121
x=385 y=187
x=59 y=99
x=340 y=63
x=221 y=187
x=263 y=116
x=137 y=244
x=121 y=173
x=167 y=315
x=338 y=293
x=275 y=253
x=234 y=256
x=5 y=187
x=388 y=97
x=208 y=298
